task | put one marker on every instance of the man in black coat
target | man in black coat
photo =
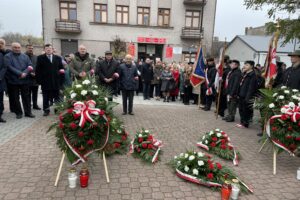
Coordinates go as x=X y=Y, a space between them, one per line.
x=247 y=92
x=211 y=72
x=107 y=71
x=232 y=83
x=2 y=86
x=147 y=77
x=49 y=74
x=291 y=77
x=128 y=82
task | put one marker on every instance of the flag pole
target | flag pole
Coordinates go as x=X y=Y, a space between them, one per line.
x=200 y=46
x=220 y=81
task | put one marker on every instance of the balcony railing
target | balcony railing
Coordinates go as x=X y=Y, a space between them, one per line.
x=194 y=2
x=67 y=26
x=189 y=33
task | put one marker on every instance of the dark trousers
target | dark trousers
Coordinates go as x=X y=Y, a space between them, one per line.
x=1 y=103
x=10 y=97
x=146 y=89
x=151 y=90
x=245 y=109
x=209 y=99
x=202 y=95
x=232 y=105
x=16 y=90
x=33 y=95
x=127 y=96
x=157 y=90
x=223 y=104
x=49 y=96
x=187 y=90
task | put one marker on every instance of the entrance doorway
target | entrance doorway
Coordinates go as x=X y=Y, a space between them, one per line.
x=69 y=46
x=152 y=51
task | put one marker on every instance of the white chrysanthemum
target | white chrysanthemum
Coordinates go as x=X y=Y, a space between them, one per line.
x=206 y=142
x=186 y=155
x=140 y=135
x=203 y=137
x=94 y=86
x=175 y=157
x=271 y=105
x=295 y=97
x=195 y=172
x=146 y=131
x=95 y=92
x=200 y=163
x=292 y=105
x=192 y=157
x=218 y=130
x=178 y=163
x=83 y=92
x=283 y=110
x=78 y=86
x=275 y=94
x=200 y=154
x=119 y=131
x=186 y=168
x=286 y=91
x=181 y=155
x=219 y=134
x=283 y=87
x=71 y=91
x=295 y=90
x=281 y=97
x=86 y=82
x=73 y=95
x=211 y=133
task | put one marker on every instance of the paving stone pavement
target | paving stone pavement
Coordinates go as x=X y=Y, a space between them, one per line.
x=29 y=161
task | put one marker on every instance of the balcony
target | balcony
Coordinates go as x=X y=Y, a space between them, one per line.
x=189 y=33
x=67 y=26
x=194 y=2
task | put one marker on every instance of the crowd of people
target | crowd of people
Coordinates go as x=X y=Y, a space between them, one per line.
x=22 y=73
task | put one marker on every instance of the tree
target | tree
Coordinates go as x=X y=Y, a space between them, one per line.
x=22 y=39
x=118 y=48
x=289 y=28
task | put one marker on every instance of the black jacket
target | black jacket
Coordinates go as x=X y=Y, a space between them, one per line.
x=248 y=86
x=33 y=59
x=234 y=79
x=47 y=73
x=291 y=77
x=3 y=69
x=211 y=75
x=105 y=69
x=127 y=74
x=147 y=73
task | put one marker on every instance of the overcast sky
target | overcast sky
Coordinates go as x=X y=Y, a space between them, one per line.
x=24 y=16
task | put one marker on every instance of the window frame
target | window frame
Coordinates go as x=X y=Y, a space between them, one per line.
x=68 y=10
x=193 y=17
x=122 y=14
x=163 y=17
x=143 y=13
x=100 y=10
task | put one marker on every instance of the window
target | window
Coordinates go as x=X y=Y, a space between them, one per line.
x=163 y=17
x=100 y=13
x=122 y=14
x=189 y=57
x=192 y=19
x=143 y=16
x=68 y=10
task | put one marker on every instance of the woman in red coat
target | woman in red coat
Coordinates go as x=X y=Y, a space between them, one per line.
x=176 y=75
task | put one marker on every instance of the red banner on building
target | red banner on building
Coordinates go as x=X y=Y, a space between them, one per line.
x=151 y=40
x=169 y=52
x=131 y=49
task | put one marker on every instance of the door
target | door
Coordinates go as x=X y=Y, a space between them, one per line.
x=69 y=46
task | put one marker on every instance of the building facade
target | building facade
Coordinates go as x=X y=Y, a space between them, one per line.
x=168 y=29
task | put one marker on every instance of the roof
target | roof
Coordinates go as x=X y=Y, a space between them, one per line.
x=261 y=43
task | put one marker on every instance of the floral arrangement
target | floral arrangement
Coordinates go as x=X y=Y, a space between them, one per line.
x=284 y=128
x=200 y=168
x=87 y=124
x=145 y=146
x=217 y=142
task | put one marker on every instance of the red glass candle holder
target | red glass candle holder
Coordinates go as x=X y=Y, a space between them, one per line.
x=84 y=177
x=226 y=191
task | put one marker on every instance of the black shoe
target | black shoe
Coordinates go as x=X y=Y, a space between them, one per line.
x=229 y=120
x=30 y=115
x=165 y=100
x=36 y=108
x=46 y=113
x=131 y=113
x=19 y=116
x=206 y=109
x=124 y=113
x=225 y=118
x=2 y=120
x=259 y=134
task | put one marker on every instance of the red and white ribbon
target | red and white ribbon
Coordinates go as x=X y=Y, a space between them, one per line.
x=194 y=179
x=236 y=157
x=201 y=145
x=84 y=110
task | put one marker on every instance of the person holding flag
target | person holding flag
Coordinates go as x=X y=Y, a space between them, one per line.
x=210 y=83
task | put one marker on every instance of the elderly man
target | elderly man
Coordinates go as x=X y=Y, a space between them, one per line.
x=19 y=67
x=82 y=64
x=291 y=76
x=128 y=82
x=107 y=71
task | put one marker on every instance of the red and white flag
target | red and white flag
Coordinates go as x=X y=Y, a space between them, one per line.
x=220 y=69
x=270 y=64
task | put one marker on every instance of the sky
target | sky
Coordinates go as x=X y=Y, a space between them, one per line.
x=232 y=17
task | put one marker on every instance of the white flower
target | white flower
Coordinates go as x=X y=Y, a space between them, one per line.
x=295 y=97
x=200 y=154
x=275 y=94
x=219 y=134
x=200 y=163
x=140 y=135
x=281 y=97
x=95 y=92
x=78 y=86
x=286 y=91
x=106 y=99
x=175 y=157
x=192 y=157
x=295 y=90
x=83 y=92
x=283 y=87
x=195 y=172
x=181 y=155
x=283 y=110
x=271 y=105
x=186 y=155
x=119 y=131
x=206 y=142
x=291 y=104
x=71 y=91
x=186 y=168
x=94 y=86
x=218 y=130
x=178 y=163
x=86 y=82
x=146 y=131
x=211 y=133
x=73 y=95
x=203 y=137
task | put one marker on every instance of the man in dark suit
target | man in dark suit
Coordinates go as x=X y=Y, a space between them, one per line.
x=49 y=74
x=107 y=71
x=211 y=72
x=147 y=77
x=2 y=86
